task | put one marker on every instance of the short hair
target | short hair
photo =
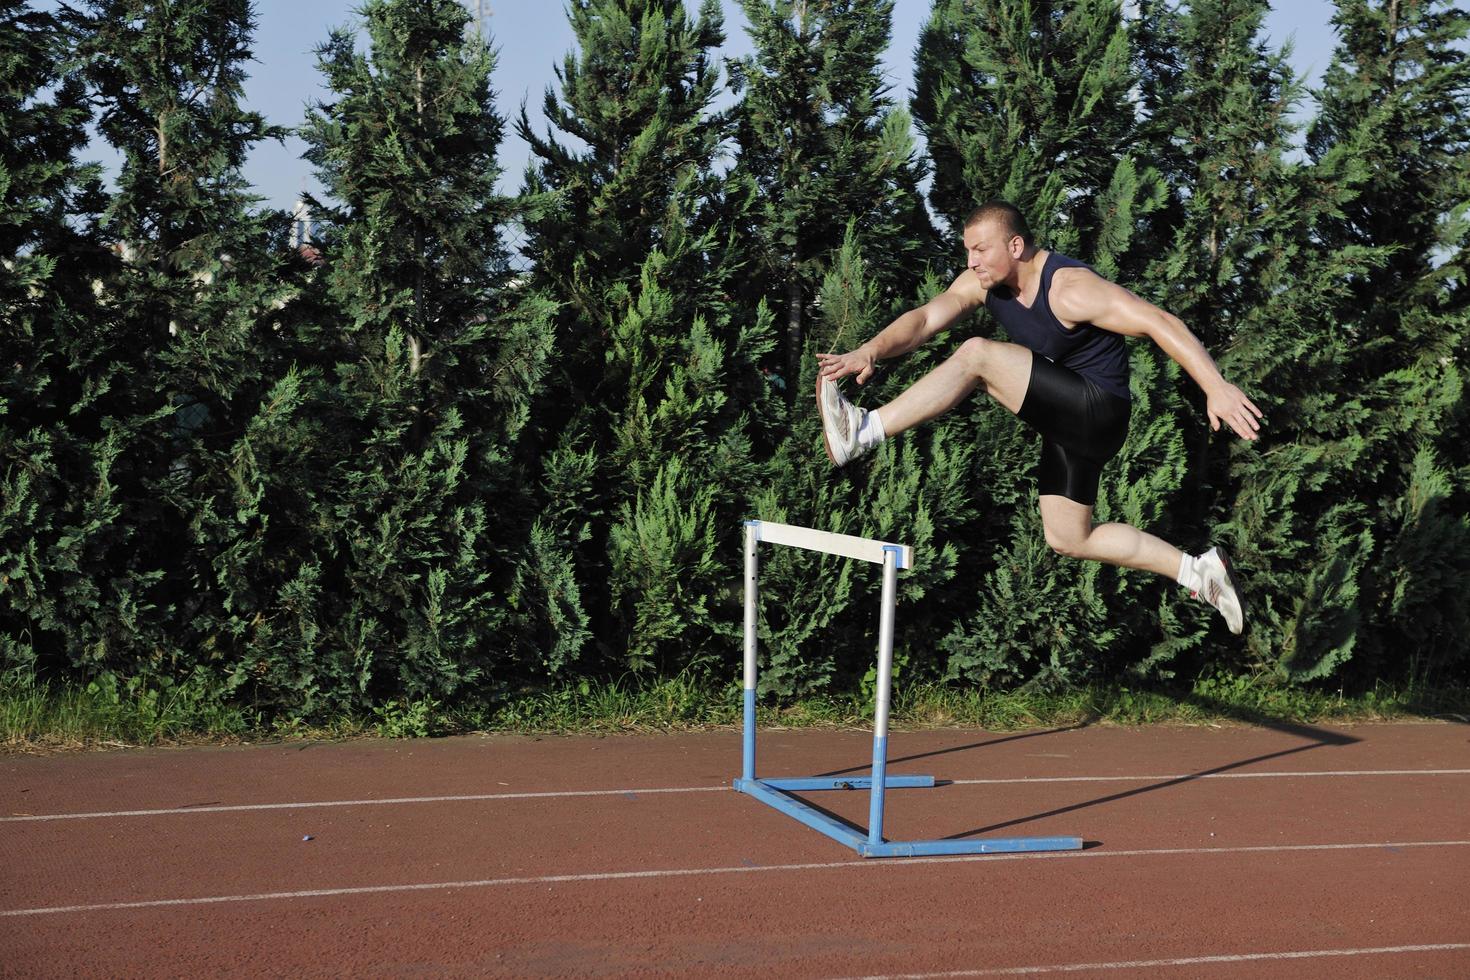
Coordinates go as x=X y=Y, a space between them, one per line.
x=1007 y=214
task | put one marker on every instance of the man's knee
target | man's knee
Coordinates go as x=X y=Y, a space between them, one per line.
x=975 y=354
x=1069 y=544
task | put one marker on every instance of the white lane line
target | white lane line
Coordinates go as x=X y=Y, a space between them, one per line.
x=1214 y=775
x=1304 y=954
x=849 y=864
x=635 y=791
x=477 y=797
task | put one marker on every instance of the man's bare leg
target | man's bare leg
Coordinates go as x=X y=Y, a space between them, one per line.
x=849 y=432
x=1004 y=370
x=1070 y=531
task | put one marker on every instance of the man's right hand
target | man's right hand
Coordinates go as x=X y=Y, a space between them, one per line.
x=834 y=366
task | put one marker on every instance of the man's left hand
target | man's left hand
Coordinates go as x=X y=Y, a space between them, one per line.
x=1228 y=404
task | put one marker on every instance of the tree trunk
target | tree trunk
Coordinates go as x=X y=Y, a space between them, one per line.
x=415 y=337
x=793 y=333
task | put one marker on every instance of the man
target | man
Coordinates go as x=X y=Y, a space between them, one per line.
x=1066 y=375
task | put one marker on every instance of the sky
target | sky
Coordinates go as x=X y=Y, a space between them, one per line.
x=533 y=36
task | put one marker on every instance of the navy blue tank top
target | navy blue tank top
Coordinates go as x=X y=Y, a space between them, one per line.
x=1098 y=355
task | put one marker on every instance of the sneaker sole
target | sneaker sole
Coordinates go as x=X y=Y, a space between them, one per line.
x=1234 y=586
x=822 y=417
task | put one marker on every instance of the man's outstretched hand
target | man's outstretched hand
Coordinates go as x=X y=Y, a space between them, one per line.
x=834 y=366
x=1228 y=404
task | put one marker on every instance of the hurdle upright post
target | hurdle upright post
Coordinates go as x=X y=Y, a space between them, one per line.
x=883 y=694
x=752 y=568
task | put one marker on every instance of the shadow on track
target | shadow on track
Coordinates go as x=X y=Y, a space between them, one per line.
x=1319 y=738
x=866 y=766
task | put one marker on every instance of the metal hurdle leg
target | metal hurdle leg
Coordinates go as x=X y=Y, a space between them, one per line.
x=775 y=792
x=752 y=568
x=885 y=690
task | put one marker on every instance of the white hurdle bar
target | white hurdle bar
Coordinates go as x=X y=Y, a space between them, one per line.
x=776 y=792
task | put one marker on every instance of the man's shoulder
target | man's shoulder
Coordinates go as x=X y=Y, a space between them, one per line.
x=967 y=289
x=1074 y=279
x=1078 y=293
x=1073 y=273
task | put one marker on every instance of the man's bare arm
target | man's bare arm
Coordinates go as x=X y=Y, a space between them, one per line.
x=909 y=331
x=1081 y=296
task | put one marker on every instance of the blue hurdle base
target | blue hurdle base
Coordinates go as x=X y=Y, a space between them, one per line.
x=774 y=793
x=850 y=782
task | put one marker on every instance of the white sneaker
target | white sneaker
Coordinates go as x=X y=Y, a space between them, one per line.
x=1218 y=587
x=841 y=420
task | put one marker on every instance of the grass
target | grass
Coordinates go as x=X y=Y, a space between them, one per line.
x=43 y=716
x=35 y=716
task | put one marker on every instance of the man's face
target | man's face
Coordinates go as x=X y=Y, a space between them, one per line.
x=989 y=253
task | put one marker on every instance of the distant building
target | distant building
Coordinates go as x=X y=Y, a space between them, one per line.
x=301 y=224
x=303 y=230
x=475 y=27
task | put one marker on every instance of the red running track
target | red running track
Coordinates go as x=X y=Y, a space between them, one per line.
x=1216 y=852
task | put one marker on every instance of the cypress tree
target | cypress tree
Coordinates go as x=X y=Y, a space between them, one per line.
x=819 y=621
x=422 y=516
x=1030 y=103
x=166 y=376
x=1395 y=99
x=820 y=144
x=637 y=93
x=1033 y=103
x=1244 y=270
x=839 y=243
x=681 y=459
x=59 y=593
x=646 y=417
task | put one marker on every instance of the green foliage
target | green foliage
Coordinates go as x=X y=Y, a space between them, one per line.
x=1030 y=103
x=649 y=411
x=110 y=711
x=144 y=344
x=1424 y=570
x=1237 y=262
x=1394 y=103
x=1011 y=110
x=821 y=147
x=408 y=719
x=421 y=537
x=819 y=623
x=35 y=715
x=638 y=96
x=245 y=487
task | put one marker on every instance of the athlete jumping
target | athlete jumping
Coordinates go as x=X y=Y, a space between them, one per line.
x=1066 y=376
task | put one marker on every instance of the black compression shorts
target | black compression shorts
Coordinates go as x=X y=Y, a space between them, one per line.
x=1081 y=425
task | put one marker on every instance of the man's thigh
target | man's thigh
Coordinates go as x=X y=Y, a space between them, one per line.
x=1006 y=371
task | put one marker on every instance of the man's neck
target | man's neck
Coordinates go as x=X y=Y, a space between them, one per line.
x=1027 y=277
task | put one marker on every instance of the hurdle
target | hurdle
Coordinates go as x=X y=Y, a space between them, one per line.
x=777 y=792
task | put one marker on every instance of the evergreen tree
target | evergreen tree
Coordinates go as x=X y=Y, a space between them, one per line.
x=637 y=94
x=159 y=375
x=202 y=274
x=1031 y=103
x=647 y=416
x=839 y=243
x=421 y=516
x=821 y=144
x=681 y=458
x=1244 y=271
x=1395 y=98
x=819 y=624
x=58 y=514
